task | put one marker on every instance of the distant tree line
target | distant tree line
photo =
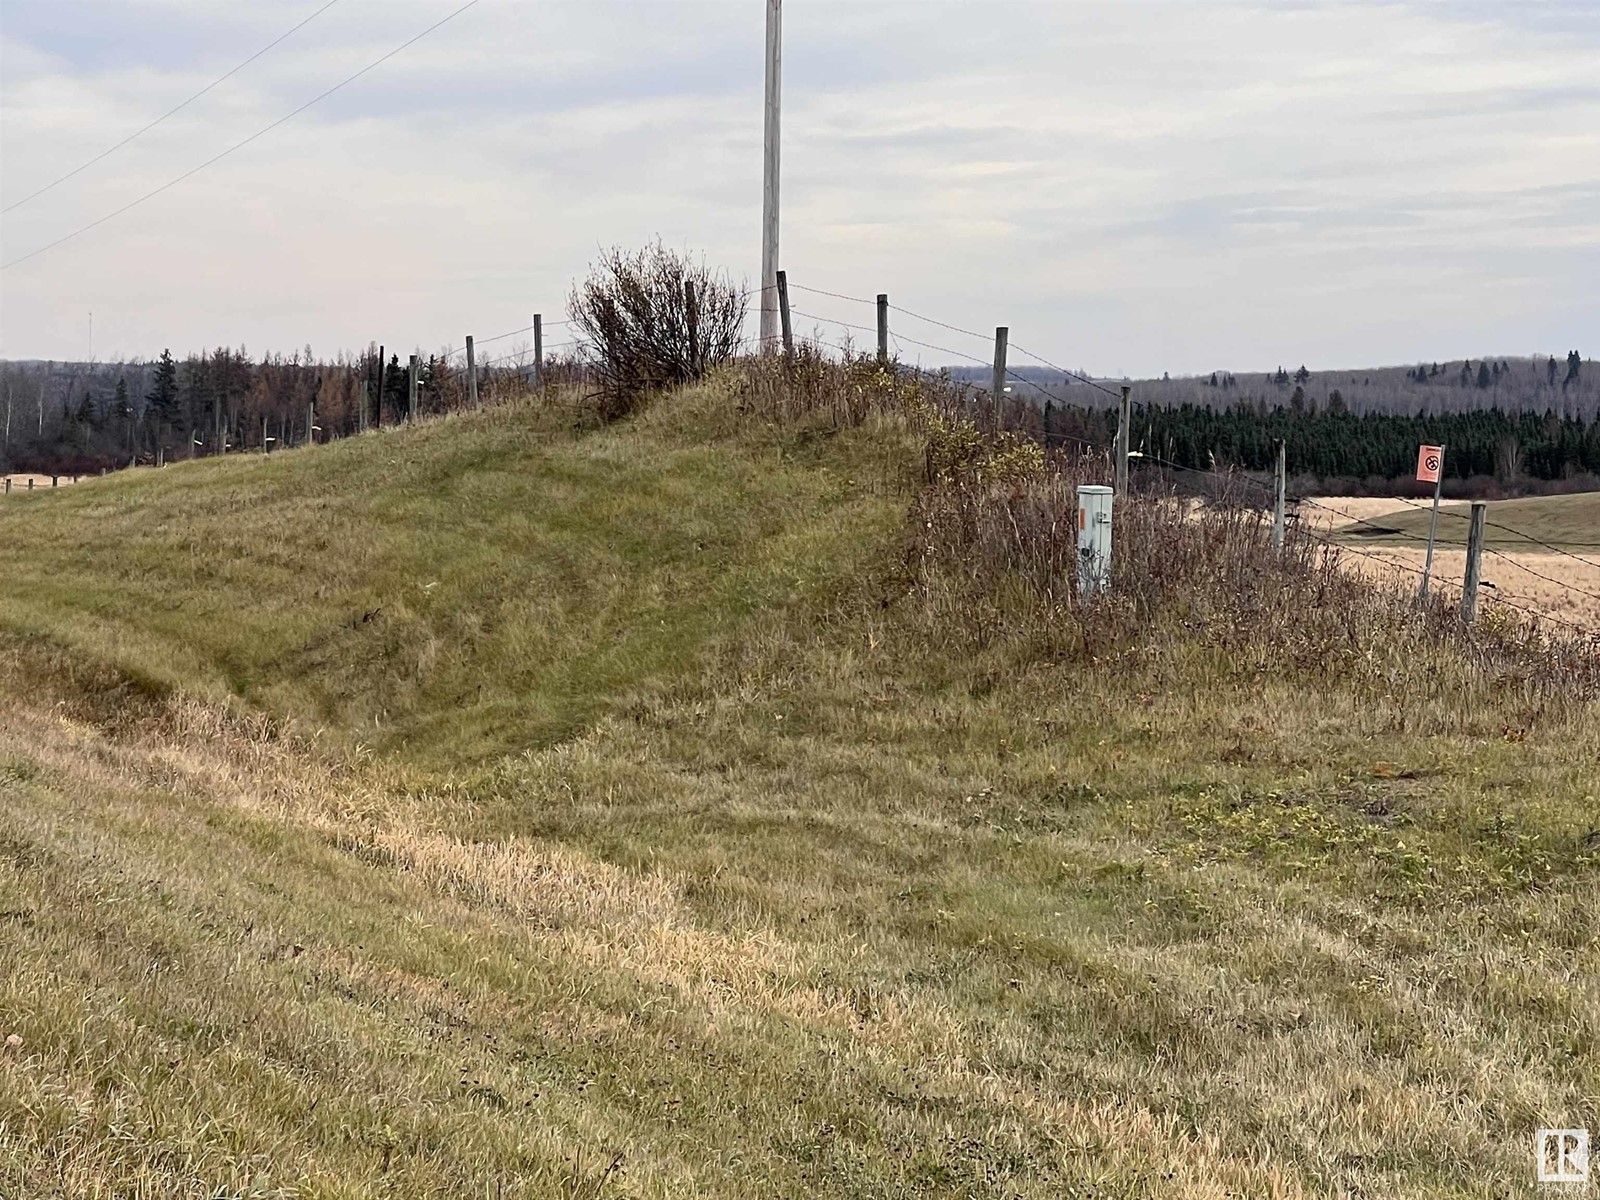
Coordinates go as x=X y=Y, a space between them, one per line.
x=65 y=418
x=1488 y=451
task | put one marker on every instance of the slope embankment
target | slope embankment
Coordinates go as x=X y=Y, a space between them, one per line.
x=490 y=808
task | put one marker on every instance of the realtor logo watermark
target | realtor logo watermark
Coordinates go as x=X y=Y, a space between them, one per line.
x=1561 y=1155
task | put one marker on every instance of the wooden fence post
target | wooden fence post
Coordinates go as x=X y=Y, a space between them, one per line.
x=383 y=369
x=883 y=328
x=1124 y=415
x=997 y=381
x=783 y=312
x=538 y=349
x=311 y=423
x=472 y=374
x=361 y=413
x=1474 y=577
x=411 y=390
x=1278 y=520
x=692 y=320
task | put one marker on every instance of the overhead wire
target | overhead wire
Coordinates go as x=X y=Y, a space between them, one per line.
x=150 y=195
x=138 y=133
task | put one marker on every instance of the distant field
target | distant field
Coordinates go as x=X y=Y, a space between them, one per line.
x=1526 y=565
x=19 y=481
x=1568 y=522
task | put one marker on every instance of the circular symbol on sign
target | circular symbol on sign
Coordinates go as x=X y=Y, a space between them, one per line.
x=1432 y=461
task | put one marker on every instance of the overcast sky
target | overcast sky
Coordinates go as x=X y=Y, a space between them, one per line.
x=1132 y=187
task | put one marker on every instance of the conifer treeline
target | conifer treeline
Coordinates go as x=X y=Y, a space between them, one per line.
x=1343 y=449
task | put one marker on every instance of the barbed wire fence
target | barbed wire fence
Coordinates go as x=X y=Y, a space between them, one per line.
x=1007 y=409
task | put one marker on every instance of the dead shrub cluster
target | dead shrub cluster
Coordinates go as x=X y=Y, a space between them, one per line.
x=653 y=319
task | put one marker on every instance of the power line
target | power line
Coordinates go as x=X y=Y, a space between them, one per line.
x=171 y=111
x=240 y=145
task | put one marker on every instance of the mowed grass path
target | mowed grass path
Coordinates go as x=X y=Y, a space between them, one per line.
x=472 y=587
x=776 y=900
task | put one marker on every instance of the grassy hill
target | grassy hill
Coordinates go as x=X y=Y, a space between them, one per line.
x=1568 y=522
x=494 y=809
x=466 y=589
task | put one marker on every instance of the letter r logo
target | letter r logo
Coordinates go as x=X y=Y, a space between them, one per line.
x=1561 y=1155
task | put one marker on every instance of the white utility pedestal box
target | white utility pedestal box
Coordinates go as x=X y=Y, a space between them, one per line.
x=1094 y=539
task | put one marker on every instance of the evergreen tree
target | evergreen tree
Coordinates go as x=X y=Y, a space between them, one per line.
x=1484 y=378
x=1550 y=373
x=1574 y=369
x=124 y=406
x=395 y=387
x=1302 y=375
x=163 y=396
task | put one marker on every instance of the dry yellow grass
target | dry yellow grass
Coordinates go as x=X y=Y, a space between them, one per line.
x=788 y=902
x=19 y=482
x=1564 y=586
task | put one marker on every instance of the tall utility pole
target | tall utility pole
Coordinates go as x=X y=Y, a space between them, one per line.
x=769 y=187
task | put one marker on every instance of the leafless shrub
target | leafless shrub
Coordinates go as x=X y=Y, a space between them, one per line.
x=653 y=319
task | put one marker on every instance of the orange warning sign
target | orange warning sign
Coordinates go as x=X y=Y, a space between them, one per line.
x=1429 y=461
x=1083 y=518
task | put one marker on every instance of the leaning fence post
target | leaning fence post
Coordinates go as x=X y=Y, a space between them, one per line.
x=1094 y=538
x=1469 y=586
x=1124 y=411
x=1433 y=464
x=411 y=390
x=783 y=312
x=1277 y=505
x=883 y=328
x=472 y=374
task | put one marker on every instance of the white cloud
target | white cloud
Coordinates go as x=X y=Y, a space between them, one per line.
x=1130 y=186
